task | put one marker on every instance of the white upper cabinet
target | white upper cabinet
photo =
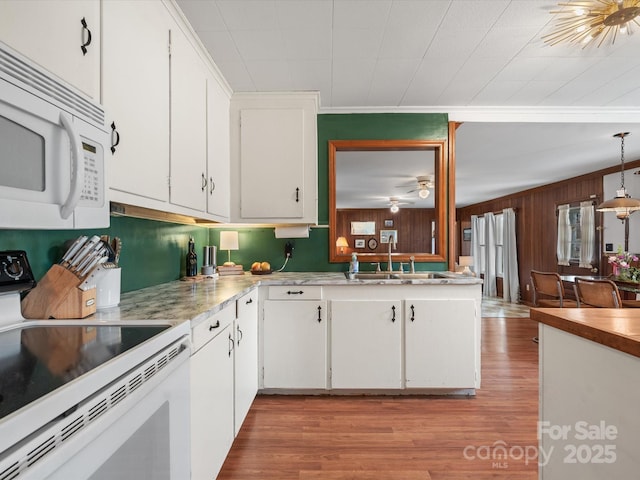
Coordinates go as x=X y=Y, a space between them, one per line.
x=63 y=37
x=274 y=158
x=188 y=125
x=218 y=159
x=169 y=110
x=136 y=98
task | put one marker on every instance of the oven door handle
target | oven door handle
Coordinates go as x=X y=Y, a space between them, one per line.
x=77 y=168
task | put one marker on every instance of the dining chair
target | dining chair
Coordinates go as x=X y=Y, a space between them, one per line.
x=548 y=290
x=600 y=293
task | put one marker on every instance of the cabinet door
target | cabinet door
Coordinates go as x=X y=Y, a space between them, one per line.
x=440 y=343
x=295 y=344
x=271 y=163
x=52 y=34
x=218 y=154
x=188 y=125
x=136 y=96
x=366 y=340
x=211 y=405
x=246 y=356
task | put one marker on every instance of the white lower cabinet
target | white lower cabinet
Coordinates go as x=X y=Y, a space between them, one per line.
x=246 y=356
x=366 y=344
x=440 y=343
x=295 y=344
x=212 y=429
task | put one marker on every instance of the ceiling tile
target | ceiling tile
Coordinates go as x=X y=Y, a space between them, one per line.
x=413 y=15
x=220 y=46
x=270 y=75
x=312 y=14
x=405 y=43
x=534 y=93
x=359 y=14
x=249 y=14
x=311 y=75
x=203 y=14
x=237 y=75
x=448 y=43
x=473 y=14
x=356 y=43
x=308 y=44
x=259 y=44
x=347 y=81
x=390 y=80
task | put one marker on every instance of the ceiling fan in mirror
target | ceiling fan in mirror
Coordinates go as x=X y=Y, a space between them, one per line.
x=421 y=184
x=395 y=202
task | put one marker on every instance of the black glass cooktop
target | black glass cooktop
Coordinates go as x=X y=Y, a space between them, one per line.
x=35 y=360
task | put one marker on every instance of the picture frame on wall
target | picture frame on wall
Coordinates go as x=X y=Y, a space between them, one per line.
x=385 y=235
x=466 y=234
x=388 y=223
x=363 y=228
x=359 y=242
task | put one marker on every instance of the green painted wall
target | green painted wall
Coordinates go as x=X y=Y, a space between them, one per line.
x=153 y=252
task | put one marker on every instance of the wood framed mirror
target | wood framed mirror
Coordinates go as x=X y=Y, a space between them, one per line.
x=366 y=177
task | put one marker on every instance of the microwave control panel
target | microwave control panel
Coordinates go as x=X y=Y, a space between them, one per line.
x=93 y=190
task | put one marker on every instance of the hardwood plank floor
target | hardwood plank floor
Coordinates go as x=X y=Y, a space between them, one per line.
x=404 y=438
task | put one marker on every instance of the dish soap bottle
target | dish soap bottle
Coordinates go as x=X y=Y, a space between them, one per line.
x=192 y=259
x=353 y=267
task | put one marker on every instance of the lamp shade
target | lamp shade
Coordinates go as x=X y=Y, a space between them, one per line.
x=465 y=261
x=342 y=242
x=229 y=241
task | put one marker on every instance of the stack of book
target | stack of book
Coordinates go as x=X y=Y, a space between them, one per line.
x=230 y=270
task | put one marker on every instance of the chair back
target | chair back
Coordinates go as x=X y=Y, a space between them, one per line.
x=600 y=293
x=546 y=285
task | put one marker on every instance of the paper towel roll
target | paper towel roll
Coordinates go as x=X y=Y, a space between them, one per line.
x=297 y=231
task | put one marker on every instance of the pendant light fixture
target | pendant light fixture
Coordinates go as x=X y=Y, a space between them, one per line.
x=622 y=204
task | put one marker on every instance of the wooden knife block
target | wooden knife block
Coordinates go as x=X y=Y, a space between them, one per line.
x=57 y=296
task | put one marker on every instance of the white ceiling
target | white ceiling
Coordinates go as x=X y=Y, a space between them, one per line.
x=532 y=113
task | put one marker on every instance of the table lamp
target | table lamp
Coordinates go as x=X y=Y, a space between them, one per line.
x=228 y=242
x=466 y=262
x=341 y=243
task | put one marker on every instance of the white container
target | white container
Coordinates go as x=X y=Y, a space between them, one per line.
x=107 y=281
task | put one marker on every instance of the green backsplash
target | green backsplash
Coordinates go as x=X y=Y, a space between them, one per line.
x=153 y=252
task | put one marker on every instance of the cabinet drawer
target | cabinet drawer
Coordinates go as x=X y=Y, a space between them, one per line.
x=203 y=332
x=295 y=292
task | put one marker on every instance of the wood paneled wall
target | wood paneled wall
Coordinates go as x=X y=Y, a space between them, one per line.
x=413 y=226
x=537 y=223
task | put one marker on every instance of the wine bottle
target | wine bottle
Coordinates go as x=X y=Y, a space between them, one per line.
x=192 y=259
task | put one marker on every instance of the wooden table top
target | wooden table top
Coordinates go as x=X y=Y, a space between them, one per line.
x=618 y=328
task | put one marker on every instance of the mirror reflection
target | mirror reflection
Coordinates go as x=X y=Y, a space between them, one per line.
x=386 y=195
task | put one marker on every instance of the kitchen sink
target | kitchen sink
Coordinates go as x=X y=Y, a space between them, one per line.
x=394 y=275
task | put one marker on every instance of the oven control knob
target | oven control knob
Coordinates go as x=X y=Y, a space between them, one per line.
x=13 y=269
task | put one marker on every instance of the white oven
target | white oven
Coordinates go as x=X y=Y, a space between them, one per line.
x=52 y=145
x=103 y=401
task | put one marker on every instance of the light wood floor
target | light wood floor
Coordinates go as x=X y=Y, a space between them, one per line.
x=403 y=438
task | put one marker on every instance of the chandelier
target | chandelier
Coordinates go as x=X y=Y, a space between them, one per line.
x=589 y=20
x=622 y=204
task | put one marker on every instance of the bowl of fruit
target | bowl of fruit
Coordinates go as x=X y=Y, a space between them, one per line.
x=261 y=268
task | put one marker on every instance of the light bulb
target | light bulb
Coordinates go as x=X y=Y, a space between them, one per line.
x=423 y=193
x=394 y=208
x=581 y=29
x=581 y=11
x=623 y=29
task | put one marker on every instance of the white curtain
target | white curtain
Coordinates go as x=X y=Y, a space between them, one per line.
x=476 y=248
x=587 y=234
x=490 y=289
x=510 y=278
x=563 y=249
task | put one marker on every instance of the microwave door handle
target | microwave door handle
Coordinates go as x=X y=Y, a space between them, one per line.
x=77 y=175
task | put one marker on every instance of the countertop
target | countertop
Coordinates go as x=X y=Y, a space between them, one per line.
x=618 y=328
x=198 y=300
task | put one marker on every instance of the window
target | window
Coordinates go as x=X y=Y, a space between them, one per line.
x=576 y=234
x=499 y=219
x=574 y=239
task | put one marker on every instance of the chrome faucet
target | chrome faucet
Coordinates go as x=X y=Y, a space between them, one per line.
x=412 y=262
x=389 y=262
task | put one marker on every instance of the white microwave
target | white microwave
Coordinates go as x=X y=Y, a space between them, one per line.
x=52 y=144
